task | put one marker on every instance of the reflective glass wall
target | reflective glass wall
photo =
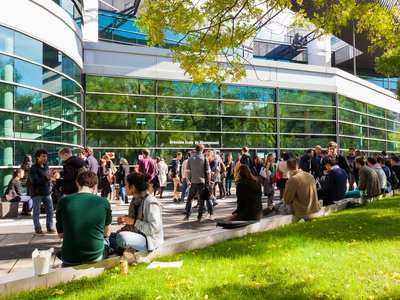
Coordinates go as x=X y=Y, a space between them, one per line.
x=124 y=115
x=73 y=8
x=40 y=99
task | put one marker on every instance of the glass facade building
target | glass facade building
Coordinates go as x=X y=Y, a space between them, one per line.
x=40 y=99
x=124 y=115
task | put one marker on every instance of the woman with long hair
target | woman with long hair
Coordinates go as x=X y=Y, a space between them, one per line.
x=248 y=192
x=143 y=228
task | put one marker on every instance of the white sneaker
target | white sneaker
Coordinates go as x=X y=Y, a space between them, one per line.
x=211 y=217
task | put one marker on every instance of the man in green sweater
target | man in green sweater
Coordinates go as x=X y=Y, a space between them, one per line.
x=83 y=222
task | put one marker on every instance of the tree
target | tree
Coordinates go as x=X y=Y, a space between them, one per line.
x=214 y=32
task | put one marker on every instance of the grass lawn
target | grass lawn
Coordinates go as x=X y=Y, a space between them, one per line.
x=353 y=254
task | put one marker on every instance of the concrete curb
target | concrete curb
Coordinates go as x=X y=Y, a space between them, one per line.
x=24 y=280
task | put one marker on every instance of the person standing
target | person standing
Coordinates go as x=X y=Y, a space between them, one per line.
x=162 y=175
x=71 y=166
x=282 y=167
x=91 y=163
x=350 y=159
x=175 y=172
x=340 y=159
x=39 y=176
x=198 y=174
x=183 y=175
x=245 y=159
x=147 y=165
x=123 y=173
x=230 y=166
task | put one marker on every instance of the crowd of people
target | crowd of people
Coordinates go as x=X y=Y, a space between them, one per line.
x=83 y=219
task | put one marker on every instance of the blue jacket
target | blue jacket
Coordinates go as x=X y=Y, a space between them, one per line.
x=335 y=184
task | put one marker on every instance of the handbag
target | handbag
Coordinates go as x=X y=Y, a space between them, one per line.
x=268 y=188
x=277 y=176
x=263 y=173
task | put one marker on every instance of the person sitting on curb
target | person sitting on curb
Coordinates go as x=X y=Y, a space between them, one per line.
x=14 y=194
x=248 y=191
x=334 y=187
x=143 y=228
x=300 y=191
x=374 y=165
x=84 y=223
x=368 y=183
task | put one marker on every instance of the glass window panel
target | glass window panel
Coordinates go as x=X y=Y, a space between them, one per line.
x=120 y=139
x=249 y=93
x=376 y=146
x=187 y=106
x=244 y=108
x=6 y=68
x=28 y=74
x=186 y=89
x=303 y=141
x=120 y=85
x=358 y=143
x=28 y=100
x=377 y=134
x=6 y=124
x=119 y=103
x=6 y=40
x=352 y=117
x=52 y=106
x=376 y=111
x=71 y=90
x=250 y=140
x=120 y=121
x=28 y=47
x=307 y=126
x=248 y=125
x=28 y=127
x=188 y=123
x=393 y=116
x=52 y=57
x=380 y=123
x=23 y=148
x=52 y=130
x=355 y=105
x=393 y=147
x=393 y=126
x=5 y=159
x=305 y=97
x=70 y=134
x=354 y=130
x=306 y=112
x=6 y=96
x=187 y=140
x=394 y=136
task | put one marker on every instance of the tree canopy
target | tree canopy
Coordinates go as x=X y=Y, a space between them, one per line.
x=214 y=32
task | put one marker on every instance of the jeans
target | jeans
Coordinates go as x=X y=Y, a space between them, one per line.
x=228 y=182
x=184 y=188
x=122 y=190
x=48 y=204
x=194 y=189
x=128 y=239
x=28 y=203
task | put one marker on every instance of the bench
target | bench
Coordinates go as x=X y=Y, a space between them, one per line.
x=8 y=209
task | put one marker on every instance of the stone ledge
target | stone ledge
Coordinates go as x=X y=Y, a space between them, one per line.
x=24 y=280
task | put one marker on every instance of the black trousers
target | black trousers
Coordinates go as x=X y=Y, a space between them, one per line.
x=194 y=189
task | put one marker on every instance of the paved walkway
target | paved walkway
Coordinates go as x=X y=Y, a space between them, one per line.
x=17 y=239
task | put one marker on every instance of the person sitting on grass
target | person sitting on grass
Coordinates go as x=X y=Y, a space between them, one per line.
x=84 y=223
x=143 y=228
x=248 y=191
x=300 y=191
x=368 y=183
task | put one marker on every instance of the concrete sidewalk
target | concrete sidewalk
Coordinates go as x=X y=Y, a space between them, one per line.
x=18 y=241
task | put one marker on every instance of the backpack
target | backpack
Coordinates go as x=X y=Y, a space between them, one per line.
x=223 y=167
